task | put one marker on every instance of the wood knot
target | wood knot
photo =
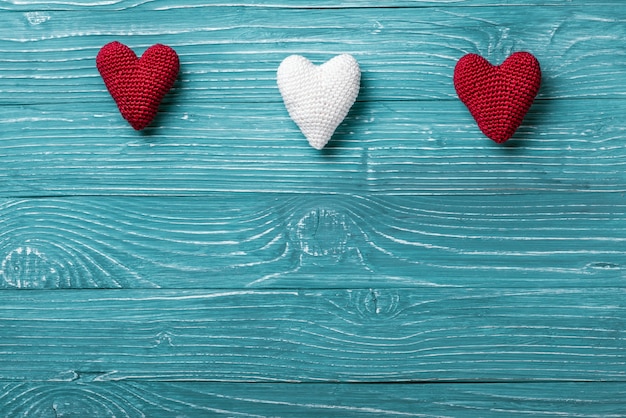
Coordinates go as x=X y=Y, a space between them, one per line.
x=47 y=400
x=377 y=304
x=322 y=232
x=28 y=268
x=37 y=18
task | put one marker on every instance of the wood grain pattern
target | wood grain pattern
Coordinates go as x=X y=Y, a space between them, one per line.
x=281 y=241
x=233 y=56
x=150 y=399
x=225 y=129
x=216 y=265
x=394 y=149
x=96 y=5
x=440 y=335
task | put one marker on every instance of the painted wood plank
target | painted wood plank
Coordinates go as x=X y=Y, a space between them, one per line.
x=296 y=241
x=151 y=399
x=388 y=148
x=439 y=335
x=48 y=57
x=283 y=4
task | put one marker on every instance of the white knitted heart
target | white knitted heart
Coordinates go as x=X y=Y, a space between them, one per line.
x=318 y=98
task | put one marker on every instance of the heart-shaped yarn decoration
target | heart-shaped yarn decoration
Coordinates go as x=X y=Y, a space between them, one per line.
x=498 y=97
x=138 y=84
x=318 y=98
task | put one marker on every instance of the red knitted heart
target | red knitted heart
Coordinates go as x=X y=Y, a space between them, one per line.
x=498 y=97
x=138 y=85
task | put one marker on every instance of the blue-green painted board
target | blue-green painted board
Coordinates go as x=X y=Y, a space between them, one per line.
x=231 y=54
x=142 y=5
x=340 y=335
x=573 y=240
x=385 y=148
x=84 y=397
x=412 y=250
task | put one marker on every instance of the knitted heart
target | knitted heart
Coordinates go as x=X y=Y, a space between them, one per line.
x=318 y=98
x=138 y=85
x=498 y=97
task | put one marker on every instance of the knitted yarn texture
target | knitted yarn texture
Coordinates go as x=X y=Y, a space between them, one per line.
x=498 y=97
x=318 y=98
x=138 y=85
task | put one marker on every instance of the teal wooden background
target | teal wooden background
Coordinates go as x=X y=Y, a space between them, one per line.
x=215 y=264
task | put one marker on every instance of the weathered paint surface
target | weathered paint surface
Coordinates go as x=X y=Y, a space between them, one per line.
x=215 y=264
